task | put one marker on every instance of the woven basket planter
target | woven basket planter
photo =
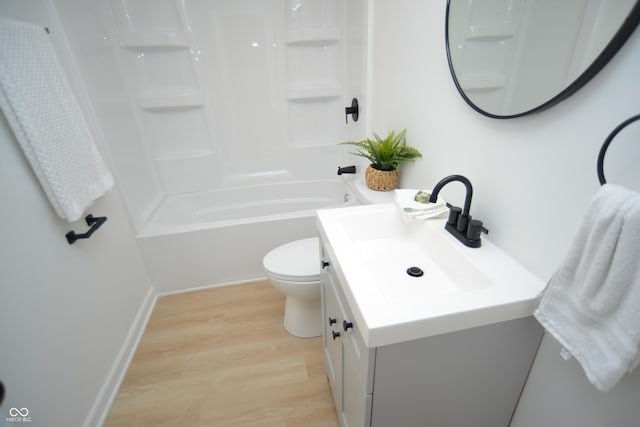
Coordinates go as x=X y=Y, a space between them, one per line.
x=381 y=180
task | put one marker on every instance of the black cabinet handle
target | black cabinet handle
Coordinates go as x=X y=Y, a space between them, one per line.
x=335 y=334
x=325 y=264
x=346 y=325
x=93 y=222
x=332 y=320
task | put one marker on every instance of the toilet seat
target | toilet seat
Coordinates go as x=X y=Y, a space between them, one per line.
x=297 y=261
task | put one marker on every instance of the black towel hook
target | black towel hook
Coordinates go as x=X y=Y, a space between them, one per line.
x=606 y=143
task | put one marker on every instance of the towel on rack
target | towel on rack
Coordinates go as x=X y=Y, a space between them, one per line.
x=47 y=121
x=592 y=303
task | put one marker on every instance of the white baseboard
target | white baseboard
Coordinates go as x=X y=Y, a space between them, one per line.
x=211 y=286
x=109 y=389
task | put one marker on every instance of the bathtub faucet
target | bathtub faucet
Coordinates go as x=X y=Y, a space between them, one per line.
x=346 y=169
x=460 y=224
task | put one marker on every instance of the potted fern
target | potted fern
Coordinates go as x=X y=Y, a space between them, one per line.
x=385 y=156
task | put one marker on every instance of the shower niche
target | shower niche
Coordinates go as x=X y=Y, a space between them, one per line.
x=314 y=89
x=158 y=56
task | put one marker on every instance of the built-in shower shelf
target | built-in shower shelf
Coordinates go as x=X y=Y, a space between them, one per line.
x=482 y=81
x=168 y=101
x=146 y=39
x=311 y=35
x=301 y=92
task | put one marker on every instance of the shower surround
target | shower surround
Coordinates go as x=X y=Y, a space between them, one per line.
x=204 y=96
x=235 y=93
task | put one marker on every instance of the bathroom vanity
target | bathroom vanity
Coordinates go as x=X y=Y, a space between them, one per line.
x=447 y=354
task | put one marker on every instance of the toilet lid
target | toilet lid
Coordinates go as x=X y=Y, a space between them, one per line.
x=296 y=261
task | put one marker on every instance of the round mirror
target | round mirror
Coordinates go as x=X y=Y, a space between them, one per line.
x=509 y=58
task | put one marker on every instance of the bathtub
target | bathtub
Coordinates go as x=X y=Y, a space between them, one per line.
x=216 y=238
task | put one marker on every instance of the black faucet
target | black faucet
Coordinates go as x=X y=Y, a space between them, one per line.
x=460 y=224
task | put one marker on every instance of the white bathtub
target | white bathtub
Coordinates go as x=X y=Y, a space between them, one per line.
x=220 y=237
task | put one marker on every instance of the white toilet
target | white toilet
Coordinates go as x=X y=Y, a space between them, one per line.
x=294 y=269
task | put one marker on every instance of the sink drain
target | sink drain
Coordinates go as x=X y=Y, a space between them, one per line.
x=415 y=271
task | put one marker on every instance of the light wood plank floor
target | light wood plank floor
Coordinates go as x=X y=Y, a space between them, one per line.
x=221 y=357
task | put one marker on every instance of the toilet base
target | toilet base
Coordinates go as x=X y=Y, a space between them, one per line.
x=303 y=317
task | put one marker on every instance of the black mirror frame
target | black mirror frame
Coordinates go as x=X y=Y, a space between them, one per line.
x=617 y=41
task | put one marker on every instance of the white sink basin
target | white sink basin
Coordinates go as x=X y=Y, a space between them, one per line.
x=461 y=287
x=388 y=247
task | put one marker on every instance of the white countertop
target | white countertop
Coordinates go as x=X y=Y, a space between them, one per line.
x=490 y=286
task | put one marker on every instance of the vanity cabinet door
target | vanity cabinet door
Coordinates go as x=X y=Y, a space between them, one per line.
x=362 y=356
x=348 y=362
x=332 y=319
x=356 y=406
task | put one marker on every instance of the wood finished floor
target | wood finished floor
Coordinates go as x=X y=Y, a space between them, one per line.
x=221 y=357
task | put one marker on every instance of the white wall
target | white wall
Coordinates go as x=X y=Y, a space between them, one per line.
x=70 y=315
x=532 y=176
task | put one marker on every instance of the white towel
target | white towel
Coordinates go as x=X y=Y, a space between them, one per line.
x=47 y=121
x=412 y=210
x=592 y=303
